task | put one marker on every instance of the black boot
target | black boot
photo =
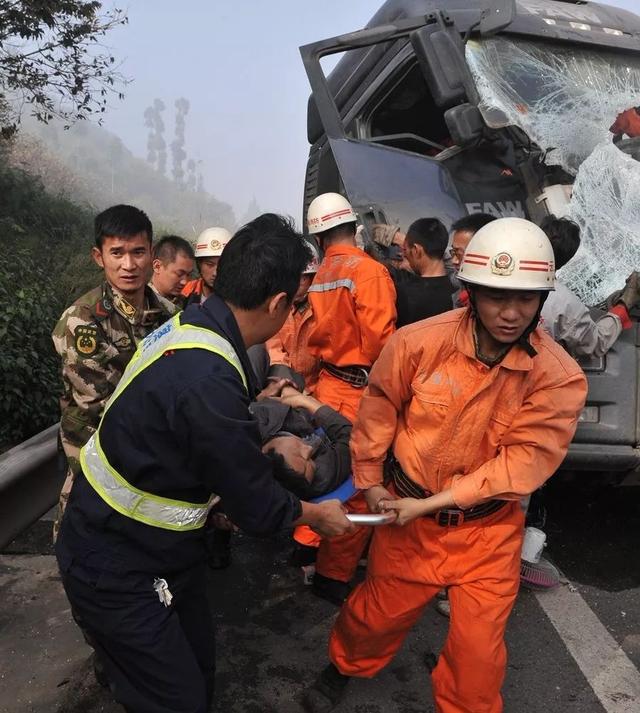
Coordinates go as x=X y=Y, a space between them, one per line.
x=333 y=590
x=327 y=691
x=218 y=544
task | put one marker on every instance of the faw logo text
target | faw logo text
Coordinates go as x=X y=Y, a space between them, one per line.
x=501 y=209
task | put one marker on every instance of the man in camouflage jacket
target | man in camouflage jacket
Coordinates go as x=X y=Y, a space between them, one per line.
x=97 y=336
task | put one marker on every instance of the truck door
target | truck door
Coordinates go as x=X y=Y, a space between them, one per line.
x=387 y=185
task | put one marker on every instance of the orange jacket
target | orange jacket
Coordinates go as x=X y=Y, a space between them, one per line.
x=289 y=346
x=454 y=422
x=354 y=308
x=192 y=287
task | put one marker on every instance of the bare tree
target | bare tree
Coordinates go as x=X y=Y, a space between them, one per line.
x=51 y=58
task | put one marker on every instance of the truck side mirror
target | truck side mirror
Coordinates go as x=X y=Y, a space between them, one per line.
x=441 y=63
x=465 y=123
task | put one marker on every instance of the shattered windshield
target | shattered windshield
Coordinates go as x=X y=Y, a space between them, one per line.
x=566 y=98
x=580 y=106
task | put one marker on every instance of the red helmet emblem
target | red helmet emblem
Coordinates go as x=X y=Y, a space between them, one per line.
x=502 y=264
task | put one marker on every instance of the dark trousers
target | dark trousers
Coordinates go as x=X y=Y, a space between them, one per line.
x=157 y=659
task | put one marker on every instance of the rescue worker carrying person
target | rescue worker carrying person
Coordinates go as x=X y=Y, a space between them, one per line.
x=478 y=407
x=177 y=436
x=353 y=303
x=209 y=247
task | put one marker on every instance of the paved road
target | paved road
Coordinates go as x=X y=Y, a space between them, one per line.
x=576 y=650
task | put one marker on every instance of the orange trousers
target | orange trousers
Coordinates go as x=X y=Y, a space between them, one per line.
x=479 y=563
x=338 y=557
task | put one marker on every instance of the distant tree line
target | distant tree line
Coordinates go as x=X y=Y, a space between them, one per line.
x=183 y=169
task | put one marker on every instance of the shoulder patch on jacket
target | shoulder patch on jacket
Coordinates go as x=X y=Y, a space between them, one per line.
x=86 y=340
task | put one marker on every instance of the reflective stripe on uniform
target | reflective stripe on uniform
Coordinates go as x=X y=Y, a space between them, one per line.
x=137 y=504
x=336 y=284
x=106 y=481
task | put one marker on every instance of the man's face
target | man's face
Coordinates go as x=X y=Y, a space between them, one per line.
x=296 y=453
x=505 y=314
x=459 y=242
x=126 y=261
x=303 y=288
x=411 y=254
x=171 y=278
x=208 y=267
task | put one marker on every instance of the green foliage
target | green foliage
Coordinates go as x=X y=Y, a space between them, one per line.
x=51 y=59
x=29 y=381
x=45 y=246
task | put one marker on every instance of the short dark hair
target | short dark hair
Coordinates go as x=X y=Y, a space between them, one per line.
x=168 y=247
x=338 y=230
x=265 y=257
x=430 y=234
x=564 y=236
x=123 y=221
x=473 y=222
x=289 y=478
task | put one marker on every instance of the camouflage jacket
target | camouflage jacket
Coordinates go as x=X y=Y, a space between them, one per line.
x=95 y=338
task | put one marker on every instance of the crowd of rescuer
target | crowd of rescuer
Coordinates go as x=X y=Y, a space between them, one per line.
x=209 y=246
x=424 y=248
x=172 y=264
x=461 y=233
x=353 y=302
x=98 y=334
x=489 y=377
x=177 y=437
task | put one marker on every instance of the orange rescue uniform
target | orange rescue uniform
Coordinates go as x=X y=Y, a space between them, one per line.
x=353 y=300
x=193 y=287
x=289 y=345
x=486 y=433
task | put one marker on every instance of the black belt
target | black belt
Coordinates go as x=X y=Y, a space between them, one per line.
x=453 y=517
x=357 y=376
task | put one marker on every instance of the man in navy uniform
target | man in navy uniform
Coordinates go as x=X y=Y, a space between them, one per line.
x=176 y=437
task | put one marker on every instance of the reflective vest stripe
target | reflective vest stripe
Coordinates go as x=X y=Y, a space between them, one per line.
x=328 y=286
x=106 y=481
x=137 y=504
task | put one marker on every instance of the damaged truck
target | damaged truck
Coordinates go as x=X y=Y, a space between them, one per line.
x=519 y=108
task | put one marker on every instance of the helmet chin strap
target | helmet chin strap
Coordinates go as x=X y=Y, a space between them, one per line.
x=523 y=341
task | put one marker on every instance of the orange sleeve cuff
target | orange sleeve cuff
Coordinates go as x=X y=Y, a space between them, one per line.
x=620 y=310
x=366 y=475
x=464 y=491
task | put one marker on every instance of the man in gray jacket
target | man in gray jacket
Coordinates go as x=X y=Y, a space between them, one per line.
x=566 y=318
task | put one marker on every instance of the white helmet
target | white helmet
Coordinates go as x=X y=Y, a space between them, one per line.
x=314 y=263
x=211 y=242
x=509 y=254
x=328 y=210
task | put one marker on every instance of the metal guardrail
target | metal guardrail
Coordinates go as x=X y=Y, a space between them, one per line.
x=30 y=483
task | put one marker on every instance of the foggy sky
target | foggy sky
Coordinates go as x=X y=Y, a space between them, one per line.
x=239 y=66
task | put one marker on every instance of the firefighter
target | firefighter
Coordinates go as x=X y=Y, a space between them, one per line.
x=478 y=406
x=353 y=302
x=209 y=247
x=288 y=353
x=176 y=437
